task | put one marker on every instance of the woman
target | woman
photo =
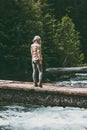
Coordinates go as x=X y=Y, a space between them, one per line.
x=36 y=60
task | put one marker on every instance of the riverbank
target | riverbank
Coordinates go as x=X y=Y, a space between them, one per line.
x=49 y=95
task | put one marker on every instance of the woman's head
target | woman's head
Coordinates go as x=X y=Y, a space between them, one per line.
x=37 y=39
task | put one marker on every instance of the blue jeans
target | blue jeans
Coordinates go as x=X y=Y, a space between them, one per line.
x=37 y=67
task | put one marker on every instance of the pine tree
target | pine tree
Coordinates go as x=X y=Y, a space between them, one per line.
x=68 y=43
x=49 y=28
x=19 y=22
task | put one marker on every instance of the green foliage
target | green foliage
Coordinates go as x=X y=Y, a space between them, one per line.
x=68 y=43
x=49 y=45
x=20 y=21
x=49 y=28
x=77 y=10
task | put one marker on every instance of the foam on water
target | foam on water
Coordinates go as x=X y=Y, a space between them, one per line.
x=79 y=79
x=43 y=118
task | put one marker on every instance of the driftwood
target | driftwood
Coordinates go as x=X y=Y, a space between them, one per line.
x=62 y=70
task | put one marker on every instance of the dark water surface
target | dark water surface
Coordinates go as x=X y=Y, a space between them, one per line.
x=19 y=117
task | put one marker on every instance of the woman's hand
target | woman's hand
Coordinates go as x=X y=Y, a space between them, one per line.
x=40 y=61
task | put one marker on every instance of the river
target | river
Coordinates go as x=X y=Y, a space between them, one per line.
x=20 y=117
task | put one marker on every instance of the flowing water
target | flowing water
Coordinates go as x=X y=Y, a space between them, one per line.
x=19 y=117
x=79 y=79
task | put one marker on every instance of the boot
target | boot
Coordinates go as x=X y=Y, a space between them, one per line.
x=40 y=85
x=35 y=84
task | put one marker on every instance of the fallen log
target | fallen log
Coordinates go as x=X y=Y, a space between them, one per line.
x=49 y=95
x=62 y=70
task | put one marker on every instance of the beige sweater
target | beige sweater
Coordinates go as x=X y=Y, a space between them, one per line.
x=36 y=51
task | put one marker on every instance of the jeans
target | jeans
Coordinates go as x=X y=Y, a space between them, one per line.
x=37 y=69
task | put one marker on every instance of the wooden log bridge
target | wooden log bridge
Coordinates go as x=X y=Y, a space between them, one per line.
x=49 y=95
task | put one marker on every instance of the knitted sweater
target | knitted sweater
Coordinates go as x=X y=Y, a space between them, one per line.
x=36 y=51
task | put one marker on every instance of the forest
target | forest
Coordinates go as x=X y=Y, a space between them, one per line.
x=61 y=25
